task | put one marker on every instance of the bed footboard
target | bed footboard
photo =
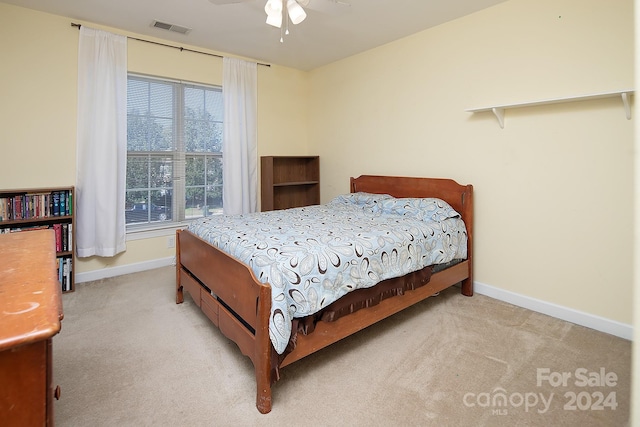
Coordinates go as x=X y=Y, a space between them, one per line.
x=230 y=296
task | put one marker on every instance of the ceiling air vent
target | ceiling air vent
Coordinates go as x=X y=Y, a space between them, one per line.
x=171 y=27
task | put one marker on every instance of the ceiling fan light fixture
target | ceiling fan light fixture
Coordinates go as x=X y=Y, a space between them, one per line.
x=296 y=12
x=275 y=20
x=273 y=8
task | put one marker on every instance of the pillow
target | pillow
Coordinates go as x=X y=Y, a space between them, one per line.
x=425 y=209
x=361 y=199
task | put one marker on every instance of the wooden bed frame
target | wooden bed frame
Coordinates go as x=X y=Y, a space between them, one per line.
x=241 y=305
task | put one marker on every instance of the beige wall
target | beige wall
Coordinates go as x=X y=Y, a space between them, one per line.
x=38 y=72
x=38 y=78
x=553 y=188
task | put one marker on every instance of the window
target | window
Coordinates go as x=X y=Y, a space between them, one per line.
x=174 y=151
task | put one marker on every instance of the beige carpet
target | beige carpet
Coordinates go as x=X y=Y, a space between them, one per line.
x=129 y=356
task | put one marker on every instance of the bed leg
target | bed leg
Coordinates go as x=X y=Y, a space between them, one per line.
x=263 y=400
x=467 y=287
x=179 y=293
x=263 y=380
x=179 y=289
x=264 y=351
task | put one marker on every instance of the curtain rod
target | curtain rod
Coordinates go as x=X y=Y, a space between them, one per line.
x=175 y=47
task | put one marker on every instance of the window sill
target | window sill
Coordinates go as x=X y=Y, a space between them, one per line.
x=151 y=231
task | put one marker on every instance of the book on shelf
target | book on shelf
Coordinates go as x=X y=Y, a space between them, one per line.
x=64 y=270
x=65 y=237
x=56 y=203
x=36 y=205
x=58 y=231
x=62 y=198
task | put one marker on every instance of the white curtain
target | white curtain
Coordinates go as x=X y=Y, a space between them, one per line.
x=239 y=149
x=101 y=154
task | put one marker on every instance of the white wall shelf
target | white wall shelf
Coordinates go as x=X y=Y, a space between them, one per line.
x=498 y=110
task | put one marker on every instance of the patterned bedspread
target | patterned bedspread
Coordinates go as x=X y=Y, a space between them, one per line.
x=312 y=256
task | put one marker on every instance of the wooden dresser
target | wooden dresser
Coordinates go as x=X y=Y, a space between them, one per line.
x=30 y=315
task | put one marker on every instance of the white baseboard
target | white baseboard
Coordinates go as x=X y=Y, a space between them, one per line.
x=598 y=323
x=554 y=310
x=124 y=269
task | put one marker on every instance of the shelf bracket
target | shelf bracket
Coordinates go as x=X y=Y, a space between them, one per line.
x=627 y=106
x=499 y=113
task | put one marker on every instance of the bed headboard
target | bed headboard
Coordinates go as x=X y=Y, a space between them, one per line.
x=460 y=197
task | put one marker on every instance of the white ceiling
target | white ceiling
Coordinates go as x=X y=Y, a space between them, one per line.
x=332 y=30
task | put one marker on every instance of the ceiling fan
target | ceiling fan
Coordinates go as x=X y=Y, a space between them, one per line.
x=293 y=10
x=276 y=9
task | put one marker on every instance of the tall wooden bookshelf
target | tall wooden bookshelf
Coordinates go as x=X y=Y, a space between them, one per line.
x=23 y=210
x=289 y=181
